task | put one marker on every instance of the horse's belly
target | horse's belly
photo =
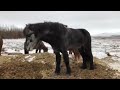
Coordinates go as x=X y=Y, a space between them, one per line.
x=74 y=46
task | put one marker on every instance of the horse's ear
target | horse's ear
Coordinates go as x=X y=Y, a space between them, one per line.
x=65 y=25
x=27 y=24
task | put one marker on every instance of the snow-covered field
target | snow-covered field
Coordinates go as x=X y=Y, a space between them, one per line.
x=17 y=46
x=101 y=46
x=99 y=49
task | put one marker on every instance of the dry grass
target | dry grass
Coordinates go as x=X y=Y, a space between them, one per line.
x=43 y=66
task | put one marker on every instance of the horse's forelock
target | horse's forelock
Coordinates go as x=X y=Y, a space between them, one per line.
x=27 y=29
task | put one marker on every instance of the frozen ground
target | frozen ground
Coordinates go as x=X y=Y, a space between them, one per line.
x=102 y=46
x=17 y=45
x=99 y=48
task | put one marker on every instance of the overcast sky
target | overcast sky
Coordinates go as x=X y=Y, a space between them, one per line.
x=94 y=21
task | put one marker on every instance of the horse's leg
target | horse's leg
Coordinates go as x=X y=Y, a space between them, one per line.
x=45 y=49
x=66 y=60
x=91 y=61
x=58 y=61
x=79 y=56
x=82 y=52
x=76 y=54
x=36 y=50
x=26 y=52
x=39 y=50
x=88 y=52
x=0 y=51
x=89 y=57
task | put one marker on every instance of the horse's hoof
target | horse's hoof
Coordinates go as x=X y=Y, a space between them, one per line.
x=83 y=67
x=57 y=72
x=68 y=76
x=92 y=68
x=68 y=73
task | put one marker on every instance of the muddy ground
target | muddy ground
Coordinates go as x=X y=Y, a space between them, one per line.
x=42 y=66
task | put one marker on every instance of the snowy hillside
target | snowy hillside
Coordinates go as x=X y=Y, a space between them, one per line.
x=106 y=34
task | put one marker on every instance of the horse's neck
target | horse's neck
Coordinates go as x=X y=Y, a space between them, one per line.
x=46 y=39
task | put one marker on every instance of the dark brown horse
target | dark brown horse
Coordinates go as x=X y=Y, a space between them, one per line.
x=76 y=53
x=1 y=43
x=40 y=46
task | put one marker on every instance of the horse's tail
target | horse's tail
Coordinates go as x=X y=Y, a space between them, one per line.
x=87 y=37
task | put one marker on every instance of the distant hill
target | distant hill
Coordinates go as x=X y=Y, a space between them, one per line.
x=107 y=36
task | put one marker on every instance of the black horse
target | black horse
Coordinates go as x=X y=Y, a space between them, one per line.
x=61 y=38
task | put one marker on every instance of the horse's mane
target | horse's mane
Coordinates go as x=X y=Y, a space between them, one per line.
x=50 y=23
x=54 y=26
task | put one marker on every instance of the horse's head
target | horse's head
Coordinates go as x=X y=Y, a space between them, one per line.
x=31 y=40
x=33 y=33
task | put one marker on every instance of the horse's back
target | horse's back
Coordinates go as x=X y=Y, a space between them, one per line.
x=78 y=32
x=78 y=37
x=84 y=31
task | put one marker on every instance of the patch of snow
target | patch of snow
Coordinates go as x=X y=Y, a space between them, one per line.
x=70 y=55
x=99 y=55
x=11 y=51
x=14 y=44
x=43 y=62
x=29 y=58
x=116 y=58
x=115 y=66
x=21 y=51
x=17 y=46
